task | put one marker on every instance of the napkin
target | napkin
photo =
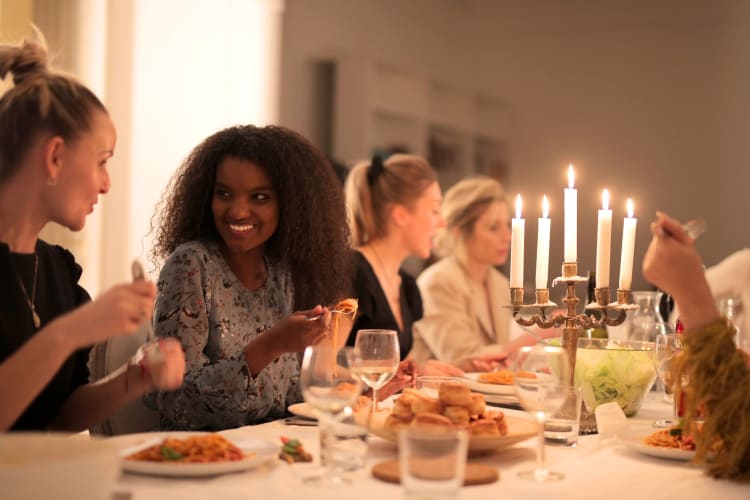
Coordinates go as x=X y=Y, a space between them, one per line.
x=610 y=420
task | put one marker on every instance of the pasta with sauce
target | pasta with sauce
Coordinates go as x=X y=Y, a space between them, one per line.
x=194 y=449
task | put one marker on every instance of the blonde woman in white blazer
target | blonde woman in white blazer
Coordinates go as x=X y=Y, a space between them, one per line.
x=463 y=294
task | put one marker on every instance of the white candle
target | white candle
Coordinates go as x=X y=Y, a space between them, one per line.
x=603 y=242
x=516 y=248
x=542 y=246
x=628 y=248
x=571 y=219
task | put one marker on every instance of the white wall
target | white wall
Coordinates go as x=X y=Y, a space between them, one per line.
x=171 y=73
x=648 y=99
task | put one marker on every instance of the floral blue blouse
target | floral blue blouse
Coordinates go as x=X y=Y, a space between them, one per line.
x=203 y=304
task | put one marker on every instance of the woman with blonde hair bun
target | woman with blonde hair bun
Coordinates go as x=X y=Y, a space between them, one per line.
x=55 y=140
x=464 y=320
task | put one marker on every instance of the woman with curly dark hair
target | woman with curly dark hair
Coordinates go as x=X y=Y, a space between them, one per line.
x=254 y=228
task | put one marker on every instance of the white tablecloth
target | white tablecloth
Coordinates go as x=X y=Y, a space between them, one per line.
x=594 y=469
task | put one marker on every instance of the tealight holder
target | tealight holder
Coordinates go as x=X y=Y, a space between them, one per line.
x=572 y=322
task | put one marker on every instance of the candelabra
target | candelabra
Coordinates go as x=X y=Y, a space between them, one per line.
x=572 y=322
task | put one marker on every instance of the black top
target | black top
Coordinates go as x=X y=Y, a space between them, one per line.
x=374 y=311
x=57 y=292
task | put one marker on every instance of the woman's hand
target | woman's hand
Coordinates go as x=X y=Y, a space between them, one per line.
x=405 y=377
x=164 y=367
x=435 y=368
x=487 y=362
x=673 y=264
x=118 y=311
x=301 y=329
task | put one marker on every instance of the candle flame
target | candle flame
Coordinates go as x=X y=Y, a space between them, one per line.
x=571 y=176
x=605 y=200
x=545 y=207
x=518 y=206
x=630 y=207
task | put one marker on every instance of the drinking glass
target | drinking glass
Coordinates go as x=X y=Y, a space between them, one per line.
x=667 y=347
x=329 y=385
x=377 y=359
x=541 y=378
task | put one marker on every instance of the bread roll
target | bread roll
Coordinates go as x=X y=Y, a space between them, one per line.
x=402 y=409
x=502 y=424
x=483 y=427
x=426 y=404
x=457 y=414
x=478 y=405
x=454 y=394
x=393 y=423
x=431 y=422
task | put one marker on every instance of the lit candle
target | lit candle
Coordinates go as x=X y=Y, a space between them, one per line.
x=516 y=248
x=542 y=246
x=628 y=248
x=571 y=218
x=603 y=242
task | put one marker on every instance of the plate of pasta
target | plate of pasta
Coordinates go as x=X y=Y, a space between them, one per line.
x=663 y=443
x=195 y=454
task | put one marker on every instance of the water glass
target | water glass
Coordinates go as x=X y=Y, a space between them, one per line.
x=541 y=378
x=432 y=463
x=563 y=426
x=343 y=444
x=430 y=384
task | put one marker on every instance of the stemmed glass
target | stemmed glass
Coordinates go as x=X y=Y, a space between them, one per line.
x=541 y=377
x=667 y=347
x=329 y=385
x=378 y=359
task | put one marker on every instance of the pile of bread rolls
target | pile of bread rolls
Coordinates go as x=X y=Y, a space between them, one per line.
x=455 y=407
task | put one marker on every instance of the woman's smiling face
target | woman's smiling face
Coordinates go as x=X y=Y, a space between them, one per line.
x=244 y=205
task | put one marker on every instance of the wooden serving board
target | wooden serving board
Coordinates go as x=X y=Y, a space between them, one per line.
x=475 y=473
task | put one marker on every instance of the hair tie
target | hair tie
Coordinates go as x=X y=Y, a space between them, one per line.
x=375 y=169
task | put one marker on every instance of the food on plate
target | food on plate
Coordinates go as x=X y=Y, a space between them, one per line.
x=478 y=405
x=502 y=377
x=484 y=427
x=456 y=408
x=454 y=394
x=676 y=437
x=457 y=414
x=431 y=422
x=193 y=449
x=293 y=451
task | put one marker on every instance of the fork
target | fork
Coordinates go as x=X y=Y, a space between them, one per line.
x=693 y=228
x=333 y=311
x=140 y=275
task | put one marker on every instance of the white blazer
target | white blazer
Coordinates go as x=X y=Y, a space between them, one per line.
x=459 y=320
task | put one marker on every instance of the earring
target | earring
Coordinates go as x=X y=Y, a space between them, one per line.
x=52 y=181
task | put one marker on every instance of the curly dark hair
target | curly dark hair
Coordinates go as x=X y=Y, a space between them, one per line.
x=312 y=237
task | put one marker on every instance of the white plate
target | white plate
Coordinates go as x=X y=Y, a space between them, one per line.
x=259 y=451
x=474 y=384
x=303 y=410
x=635 y=442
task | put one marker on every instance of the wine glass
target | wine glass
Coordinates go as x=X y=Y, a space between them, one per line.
x=541 y=378
x=378 y=359
x=329 y=385
x=667 y=347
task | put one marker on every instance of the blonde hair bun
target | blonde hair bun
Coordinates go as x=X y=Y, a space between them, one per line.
x=26 y=60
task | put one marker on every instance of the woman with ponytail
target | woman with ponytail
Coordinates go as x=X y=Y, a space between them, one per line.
x=55 y=139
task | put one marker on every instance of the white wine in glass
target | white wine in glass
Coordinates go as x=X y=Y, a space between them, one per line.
x=330 y=386
x=541 y=378
x=378 y=356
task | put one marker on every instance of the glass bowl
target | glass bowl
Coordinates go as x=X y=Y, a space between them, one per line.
x=615 y=370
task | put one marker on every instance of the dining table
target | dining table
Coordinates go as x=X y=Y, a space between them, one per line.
x=595 y=468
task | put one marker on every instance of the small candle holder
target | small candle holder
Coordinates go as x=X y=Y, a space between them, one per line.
x=572 y=322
